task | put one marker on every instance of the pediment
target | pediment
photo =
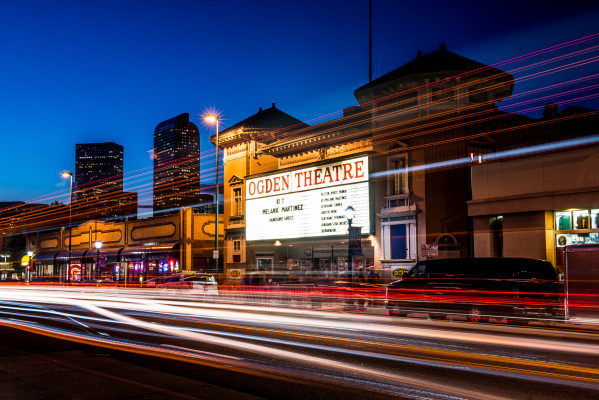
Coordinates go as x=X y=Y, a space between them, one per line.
x=396 y=144
x=235 y=180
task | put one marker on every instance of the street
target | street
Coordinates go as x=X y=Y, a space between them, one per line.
x=307 y=351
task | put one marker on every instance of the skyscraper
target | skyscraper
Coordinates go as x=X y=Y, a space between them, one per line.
x=98 y=189
x=176 y=164
x=98 y=168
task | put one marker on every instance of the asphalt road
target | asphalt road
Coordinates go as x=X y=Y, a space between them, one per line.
x=173 y=345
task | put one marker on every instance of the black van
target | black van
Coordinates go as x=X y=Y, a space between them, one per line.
x=480 y=288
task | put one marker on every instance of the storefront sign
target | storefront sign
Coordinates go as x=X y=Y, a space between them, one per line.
x=430 y=250
x=235 y=273
x=398 y=272
x=328 y=252
x=310 y=202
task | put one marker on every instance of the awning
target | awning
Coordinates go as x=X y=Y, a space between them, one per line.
x=112 y=255
x=45 y=258
x=148 y=252
x=75 y=255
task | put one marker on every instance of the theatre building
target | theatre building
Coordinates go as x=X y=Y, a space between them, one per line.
x=392 y=158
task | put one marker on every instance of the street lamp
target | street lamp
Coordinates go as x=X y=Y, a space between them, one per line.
x=98 y=245
x=68 y=174
x=212 y=118
x=30 y=254
x=349 y=214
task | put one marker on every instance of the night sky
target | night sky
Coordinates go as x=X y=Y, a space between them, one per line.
x=80 y=72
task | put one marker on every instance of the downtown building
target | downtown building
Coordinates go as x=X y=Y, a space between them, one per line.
x=98 y=188
x=177 y=166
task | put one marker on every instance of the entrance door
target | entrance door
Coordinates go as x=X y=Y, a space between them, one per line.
x=265 y=264
x=399 y=243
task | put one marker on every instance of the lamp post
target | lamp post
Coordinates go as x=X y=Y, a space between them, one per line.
x=350 y=214
x=69 y=174
x=30 y=254
x=98 y=245
x=212 y=118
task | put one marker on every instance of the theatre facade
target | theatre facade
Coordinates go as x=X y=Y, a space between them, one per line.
x=287 y=185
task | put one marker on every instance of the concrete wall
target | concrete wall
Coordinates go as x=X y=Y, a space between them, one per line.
x=565 y=171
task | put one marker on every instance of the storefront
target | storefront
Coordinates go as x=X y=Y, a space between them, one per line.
x=162 y=260
x=77 y=268
x=138 y=264
x=108 y=264
x=44 y=264
x=575 y=226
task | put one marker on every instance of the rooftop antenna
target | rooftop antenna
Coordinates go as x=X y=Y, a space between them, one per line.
x=370 y=45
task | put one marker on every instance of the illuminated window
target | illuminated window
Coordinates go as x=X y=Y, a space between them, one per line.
x=237 y=201
x=399 y=176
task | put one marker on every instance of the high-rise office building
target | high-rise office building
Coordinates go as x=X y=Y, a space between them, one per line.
x=176 y=165
x=98 y=168
x=98 y=191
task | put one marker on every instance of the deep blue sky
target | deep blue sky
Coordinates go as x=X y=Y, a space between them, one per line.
x=79 y=71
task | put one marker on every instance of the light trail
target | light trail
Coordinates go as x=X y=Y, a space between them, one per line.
x=302 y=318
x=98 y=303
x=268 y=351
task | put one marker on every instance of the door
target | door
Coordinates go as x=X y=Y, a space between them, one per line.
x=399 y=242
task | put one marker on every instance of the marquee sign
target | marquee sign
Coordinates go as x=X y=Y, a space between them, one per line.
x=309 y=202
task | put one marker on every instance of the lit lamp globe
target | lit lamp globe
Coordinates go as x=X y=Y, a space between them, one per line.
x=98 y=244
x=211 y=118
x=350 y=213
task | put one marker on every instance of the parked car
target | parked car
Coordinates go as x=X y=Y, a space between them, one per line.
x=480 y=288
x=196 y=283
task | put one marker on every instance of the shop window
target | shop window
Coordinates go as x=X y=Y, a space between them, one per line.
x=399 y=177
x=581 y=219
x=563 y=220
x=237 y=201
x=567 y=239
x=265 y=264
x=595 y=219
